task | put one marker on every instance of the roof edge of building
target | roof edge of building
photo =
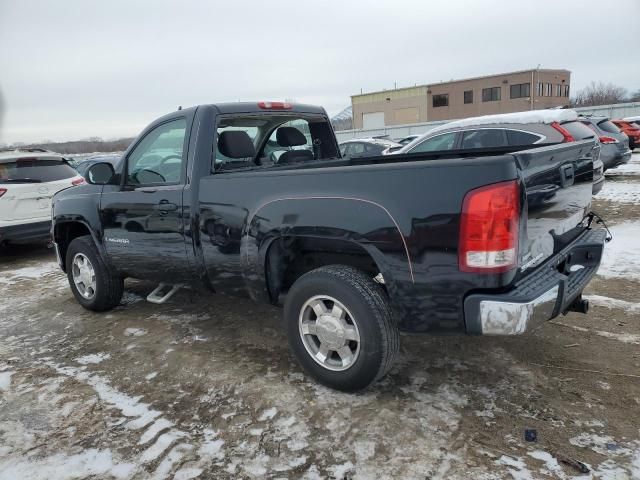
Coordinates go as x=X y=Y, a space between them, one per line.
x=433 y=84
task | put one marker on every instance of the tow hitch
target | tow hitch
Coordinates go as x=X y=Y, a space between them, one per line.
x=579 y=305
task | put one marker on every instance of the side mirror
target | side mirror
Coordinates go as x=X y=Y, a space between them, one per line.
x=100 y=173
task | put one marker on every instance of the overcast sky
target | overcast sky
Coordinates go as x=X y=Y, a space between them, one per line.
x=78 y=68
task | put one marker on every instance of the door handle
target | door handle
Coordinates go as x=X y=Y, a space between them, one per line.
x=165 y=206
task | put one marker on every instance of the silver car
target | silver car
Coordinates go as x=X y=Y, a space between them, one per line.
x=509 y=130
x=614 y=145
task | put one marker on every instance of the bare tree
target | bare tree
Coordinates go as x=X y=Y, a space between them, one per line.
x=600 y=94
x=635 y=96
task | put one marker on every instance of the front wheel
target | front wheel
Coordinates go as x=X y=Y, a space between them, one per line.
x=92 y=282
x=340 y=327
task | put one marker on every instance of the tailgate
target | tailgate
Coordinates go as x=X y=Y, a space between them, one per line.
x=558 y=181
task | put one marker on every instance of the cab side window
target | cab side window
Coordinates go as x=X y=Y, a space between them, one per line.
x=159 y=157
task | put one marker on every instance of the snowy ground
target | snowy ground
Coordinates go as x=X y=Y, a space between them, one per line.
x=186 y=390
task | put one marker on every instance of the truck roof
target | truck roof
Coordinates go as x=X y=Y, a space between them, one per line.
x=260 y=107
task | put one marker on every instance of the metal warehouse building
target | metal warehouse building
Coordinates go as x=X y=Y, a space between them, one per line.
x=502 y=93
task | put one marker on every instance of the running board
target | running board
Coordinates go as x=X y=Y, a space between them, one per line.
x=154 y=297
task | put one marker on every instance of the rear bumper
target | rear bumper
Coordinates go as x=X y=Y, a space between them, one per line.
x=26 y=232
x=541 y=295
x=615 y=159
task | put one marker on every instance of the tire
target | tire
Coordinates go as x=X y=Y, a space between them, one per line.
x=367 y=315
x=107 y=287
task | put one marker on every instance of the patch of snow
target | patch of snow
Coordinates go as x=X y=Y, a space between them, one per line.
x=620 y=337
x=174 y=456
x=134 y=332
x=517 y=467
x=268 y=414
x=92 y=462
x=163 y=442
x=151 y=376
x=620 y=191
x=155 y=428
x=93 y=358
x=211 y=448
x=611 y=303
x=603 y=385
x=621 y=257
x=129 y=406
x=599 y=444
x=631 y=169
x=257 y=466
x=10 y=277
x=186 y=473
x=339 y=471
x=5 y=380
x=550 y=463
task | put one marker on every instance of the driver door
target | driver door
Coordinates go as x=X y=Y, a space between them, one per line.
x=143 y=216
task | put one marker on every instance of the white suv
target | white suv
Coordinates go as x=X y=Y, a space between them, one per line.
x=28 y=181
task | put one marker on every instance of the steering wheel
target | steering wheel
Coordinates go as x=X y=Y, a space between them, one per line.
x=166 y=159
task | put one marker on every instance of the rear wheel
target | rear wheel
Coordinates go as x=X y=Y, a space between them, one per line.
x=92 y=282
x=341 y=327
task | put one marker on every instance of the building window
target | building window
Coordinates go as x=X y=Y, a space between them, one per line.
x=558 y=90
x=540 y=89
x=491 y=94
x=566 y=90
x=468 y=96
x=549 y=91
x=441 y=100
x=521 y=90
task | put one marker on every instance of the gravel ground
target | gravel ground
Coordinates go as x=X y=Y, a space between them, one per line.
x=189 y=390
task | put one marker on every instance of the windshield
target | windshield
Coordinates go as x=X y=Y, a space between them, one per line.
x=34 y=170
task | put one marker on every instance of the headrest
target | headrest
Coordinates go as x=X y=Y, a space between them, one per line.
x=236 y=144
x=290 y=137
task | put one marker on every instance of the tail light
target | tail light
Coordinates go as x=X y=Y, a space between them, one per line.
x=3 y=191
x=77 y=181
x=489 y=228
x=608 y=140
x=274 y=105
x=566 y=136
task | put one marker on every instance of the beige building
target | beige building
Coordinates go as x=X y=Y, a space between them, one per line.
x=503 y=93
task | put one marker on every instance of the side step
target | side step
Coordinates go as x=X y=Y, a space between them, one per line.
x=157 y=297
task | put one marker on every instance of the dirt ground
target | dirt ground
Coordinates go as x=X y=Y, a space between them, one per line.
x=205 y=387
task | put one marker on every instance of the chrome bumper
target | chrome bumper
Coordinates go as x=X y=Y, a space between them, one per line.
x=541 y=295
x=510 y=318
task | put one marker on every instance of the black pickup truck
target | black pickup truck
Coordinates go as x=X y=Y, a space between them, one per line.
x=253 y=199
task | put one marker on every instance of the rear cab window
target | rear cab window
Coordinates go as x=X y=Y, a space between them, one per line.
x=35 y=170
x=272 y=140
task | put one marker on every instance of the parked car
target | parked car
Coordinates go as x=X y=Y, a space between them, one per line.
x=366 y=147
x=631 y=130
x=510 y=130
x=614 y=145
x=357 y=248
x=28 y=181
x=83 y=166
x=635 y=120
